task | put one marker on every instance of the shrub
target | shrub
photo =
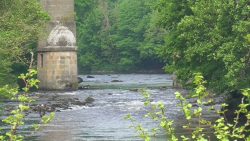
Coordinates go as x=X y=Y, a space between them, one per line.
x=16 y=118
x=222 y=130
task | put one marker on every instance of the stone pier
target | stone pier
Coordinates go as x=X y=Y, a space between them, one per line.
x=57 y=56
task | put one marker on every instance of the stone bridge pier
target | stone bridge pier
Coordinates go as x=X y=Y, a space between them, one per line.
x=57 y=51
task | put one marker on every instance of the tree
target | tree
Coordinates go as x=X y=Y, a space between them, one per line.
x=113 y=35
x=208 y=37
x=20 y=25
x=130 y=28
x=88 y=26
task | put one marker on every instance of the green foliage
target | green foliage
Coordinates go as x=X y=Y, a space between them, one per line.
x=211 y=37
x=156 y=113
x=88 y=25
x=191 y=113
x=16 y=118
x=236 y=131
x=7 y=92
x=20 y=24
x=138 y=127
x=222 y=130
x=115 y=35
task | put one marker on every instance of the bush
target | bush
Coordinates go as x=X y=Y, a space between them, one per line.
x=17 y=116
x=222 y=130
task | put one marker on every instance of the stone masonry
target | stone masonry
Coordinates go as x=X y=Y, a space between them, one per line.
x=57 y=57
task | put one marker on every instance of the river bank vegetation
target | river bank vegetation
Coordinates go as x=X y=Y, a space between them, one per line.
x=21 y=22
x=126 y=36
x=197 y=127
x=15 y=119
x=186 y=37
x=211 y=37
x=121 y=36
x=117 y=35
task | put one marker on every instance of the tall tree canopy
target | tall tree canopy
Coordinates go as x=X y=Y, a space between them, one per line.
x=114 y=35
x=211 y=37
x=189 y=36
x=20 y=24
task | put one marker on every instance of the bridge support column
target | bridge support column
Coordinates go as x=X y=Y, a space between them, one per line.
x=57 y=56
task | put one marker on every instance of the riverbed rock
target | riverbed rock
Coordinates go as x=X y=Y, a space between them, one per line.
x=89 y=76
x=89 y=100
x=78 y=103
x=83 y=87
x=79 y=79
x=41 y=109
x=134 y=90
x=58 y=103
x=116 y=81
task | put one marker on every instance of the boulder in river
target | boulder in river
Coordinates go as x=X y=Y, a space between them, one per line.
x=116 y=81
x=79 y=103
x=134 y=90
x=89 y=100
x=79 y=79
x=89 y=76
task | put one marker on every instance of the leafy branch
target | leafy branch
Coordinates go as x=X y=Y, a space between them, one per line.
x=17 y=116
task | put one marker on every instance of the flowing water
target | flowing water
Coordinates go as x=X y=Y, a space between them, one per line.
x=115 y=96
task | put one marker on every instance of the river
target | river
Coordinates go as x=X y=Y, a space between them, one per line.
x=114 y=96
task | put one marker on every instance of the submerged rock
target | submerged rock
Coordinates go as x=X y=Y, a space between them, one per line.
x=57 y=103
x=89 y=76
x=42 y=109
x=116 y=81
x=89 y=100
x=83 y=87
x=134 y=90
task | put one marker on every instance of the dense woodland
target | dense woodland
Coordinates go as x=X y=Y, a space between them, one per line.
x=21 y=23
x=211 y=37
x=117 y=35
x=206 y=42
x=183 y=37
